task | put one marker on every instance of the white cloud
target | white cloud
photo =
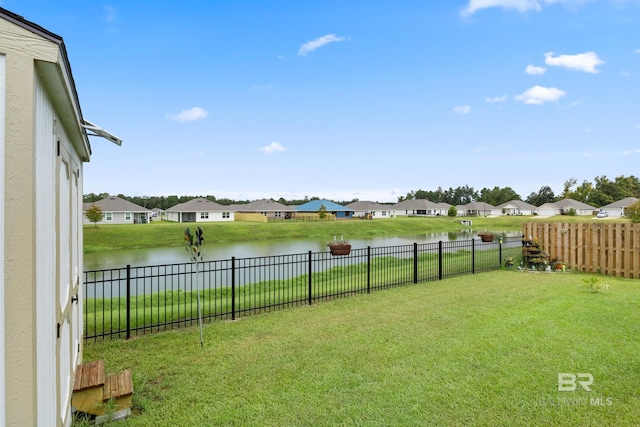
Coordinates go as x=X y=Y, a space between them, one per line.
x=535 y=71
x=462 y=109
x=195 y=113
x=586 y=62
x=111 y=13
x=637 y=50
x=318 y=43
x=625 y=73
x=274 y=147
x=521 y=6
x=575 y=103
x=539 y=95
x=497 y=99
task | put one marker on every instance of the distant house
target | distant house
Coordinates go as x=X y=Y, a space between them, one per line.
x=267 y=207
x=618 y=209
x=478 y=209
x=580 y=208
x=118 y=211
x=517 y=207
x=371 y=209
x=548 y=209
x=564 y=207
x=416 y=207
x=339 y=211
x=199 y=210
x=43 y=147
x=442 y=209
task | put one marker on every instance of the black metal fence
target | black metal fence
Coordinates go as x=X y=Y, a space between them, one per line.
x=122 y=302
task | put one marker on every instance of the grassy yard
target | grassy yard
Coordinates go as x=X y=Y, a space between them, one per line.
x=167 y=234
x=471 y=350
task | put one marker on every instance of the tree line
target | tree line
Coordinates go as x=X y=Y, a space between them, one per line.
x=600 y=192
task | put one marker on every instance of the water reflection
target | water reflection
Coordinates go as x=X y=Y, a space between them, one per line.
x=221 y=251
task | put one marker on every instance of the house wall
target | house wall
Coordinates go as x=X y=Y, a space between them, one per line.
x=2 y=241
x=43 y=234
x=213 y=217
x=117 y=218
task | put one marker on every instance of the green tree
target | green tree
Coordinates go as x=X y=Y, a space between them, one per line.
x=322 y=212
x=633 y=212
x=544 y=195
x=94 y=214
x=452 y=212
x=498 y=195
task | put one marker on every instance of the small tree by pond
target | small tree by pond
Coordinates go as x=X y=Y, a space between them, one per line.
x=452 y=212
x=322 y=212
x=94 y=214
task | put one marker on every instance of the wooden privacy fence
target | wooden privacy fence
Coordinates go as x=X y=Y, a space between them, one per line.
x=612 y=249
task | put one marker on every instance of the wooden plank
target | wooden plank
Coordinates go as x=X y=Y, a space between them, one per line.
x=89 y=375
x=118 y=385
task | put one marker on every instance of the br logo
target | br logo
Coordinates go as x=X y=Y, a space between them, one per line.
x=567 y=381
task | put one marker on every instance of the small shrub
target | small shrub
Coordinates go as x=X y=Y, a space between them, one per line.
x=595 y=284
x=633 y=212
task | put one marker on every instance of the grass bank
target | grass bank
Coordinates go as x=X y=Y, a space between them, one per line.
x=168 y=234
x=480 y=350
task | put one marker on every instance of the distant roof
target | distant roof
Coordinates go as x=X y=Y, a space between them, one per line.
x=115 y=204
x=415 y=204
x=264 y=205
x=314 y=206
x=622 y=203
x=571 y=203
x=199 y=204
x=478 y=206
x=518 y=204
x=443 y=205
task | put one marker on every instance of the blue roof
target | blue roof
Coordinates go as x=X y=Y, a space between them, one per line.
x=314 y=206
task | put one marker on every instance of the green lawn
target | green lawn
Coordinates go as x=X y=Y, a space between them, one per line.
x=167 y=234
x=471 y=350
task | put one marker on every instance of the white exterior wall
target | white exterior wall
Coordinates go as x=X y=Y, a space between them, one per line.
x=213 y=217
x=58 y=261
x=116 y=218
x=45 y=256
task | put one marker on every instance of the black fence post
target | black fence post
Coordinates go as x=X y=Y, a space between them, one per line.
x=473 y=256
x=440 y=260
x=309 y=274
x=415 y=263
x=128 y=301
x=368 y=269
x=500 y=253
x=233 y=288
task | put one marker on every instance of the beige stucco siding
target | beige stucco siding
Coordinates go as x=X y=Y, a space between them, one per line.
x=41 y=257
x=20 y=337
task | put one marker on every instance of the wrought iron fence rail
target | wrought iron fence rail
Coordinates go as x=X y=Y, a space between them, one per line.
x=122 y=302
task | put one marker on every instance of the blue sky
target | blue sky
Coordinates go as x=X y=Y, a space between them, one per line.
x=352 y=99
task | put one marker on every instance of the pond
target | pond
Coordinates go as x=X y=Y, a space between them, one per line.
x=221 y=251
